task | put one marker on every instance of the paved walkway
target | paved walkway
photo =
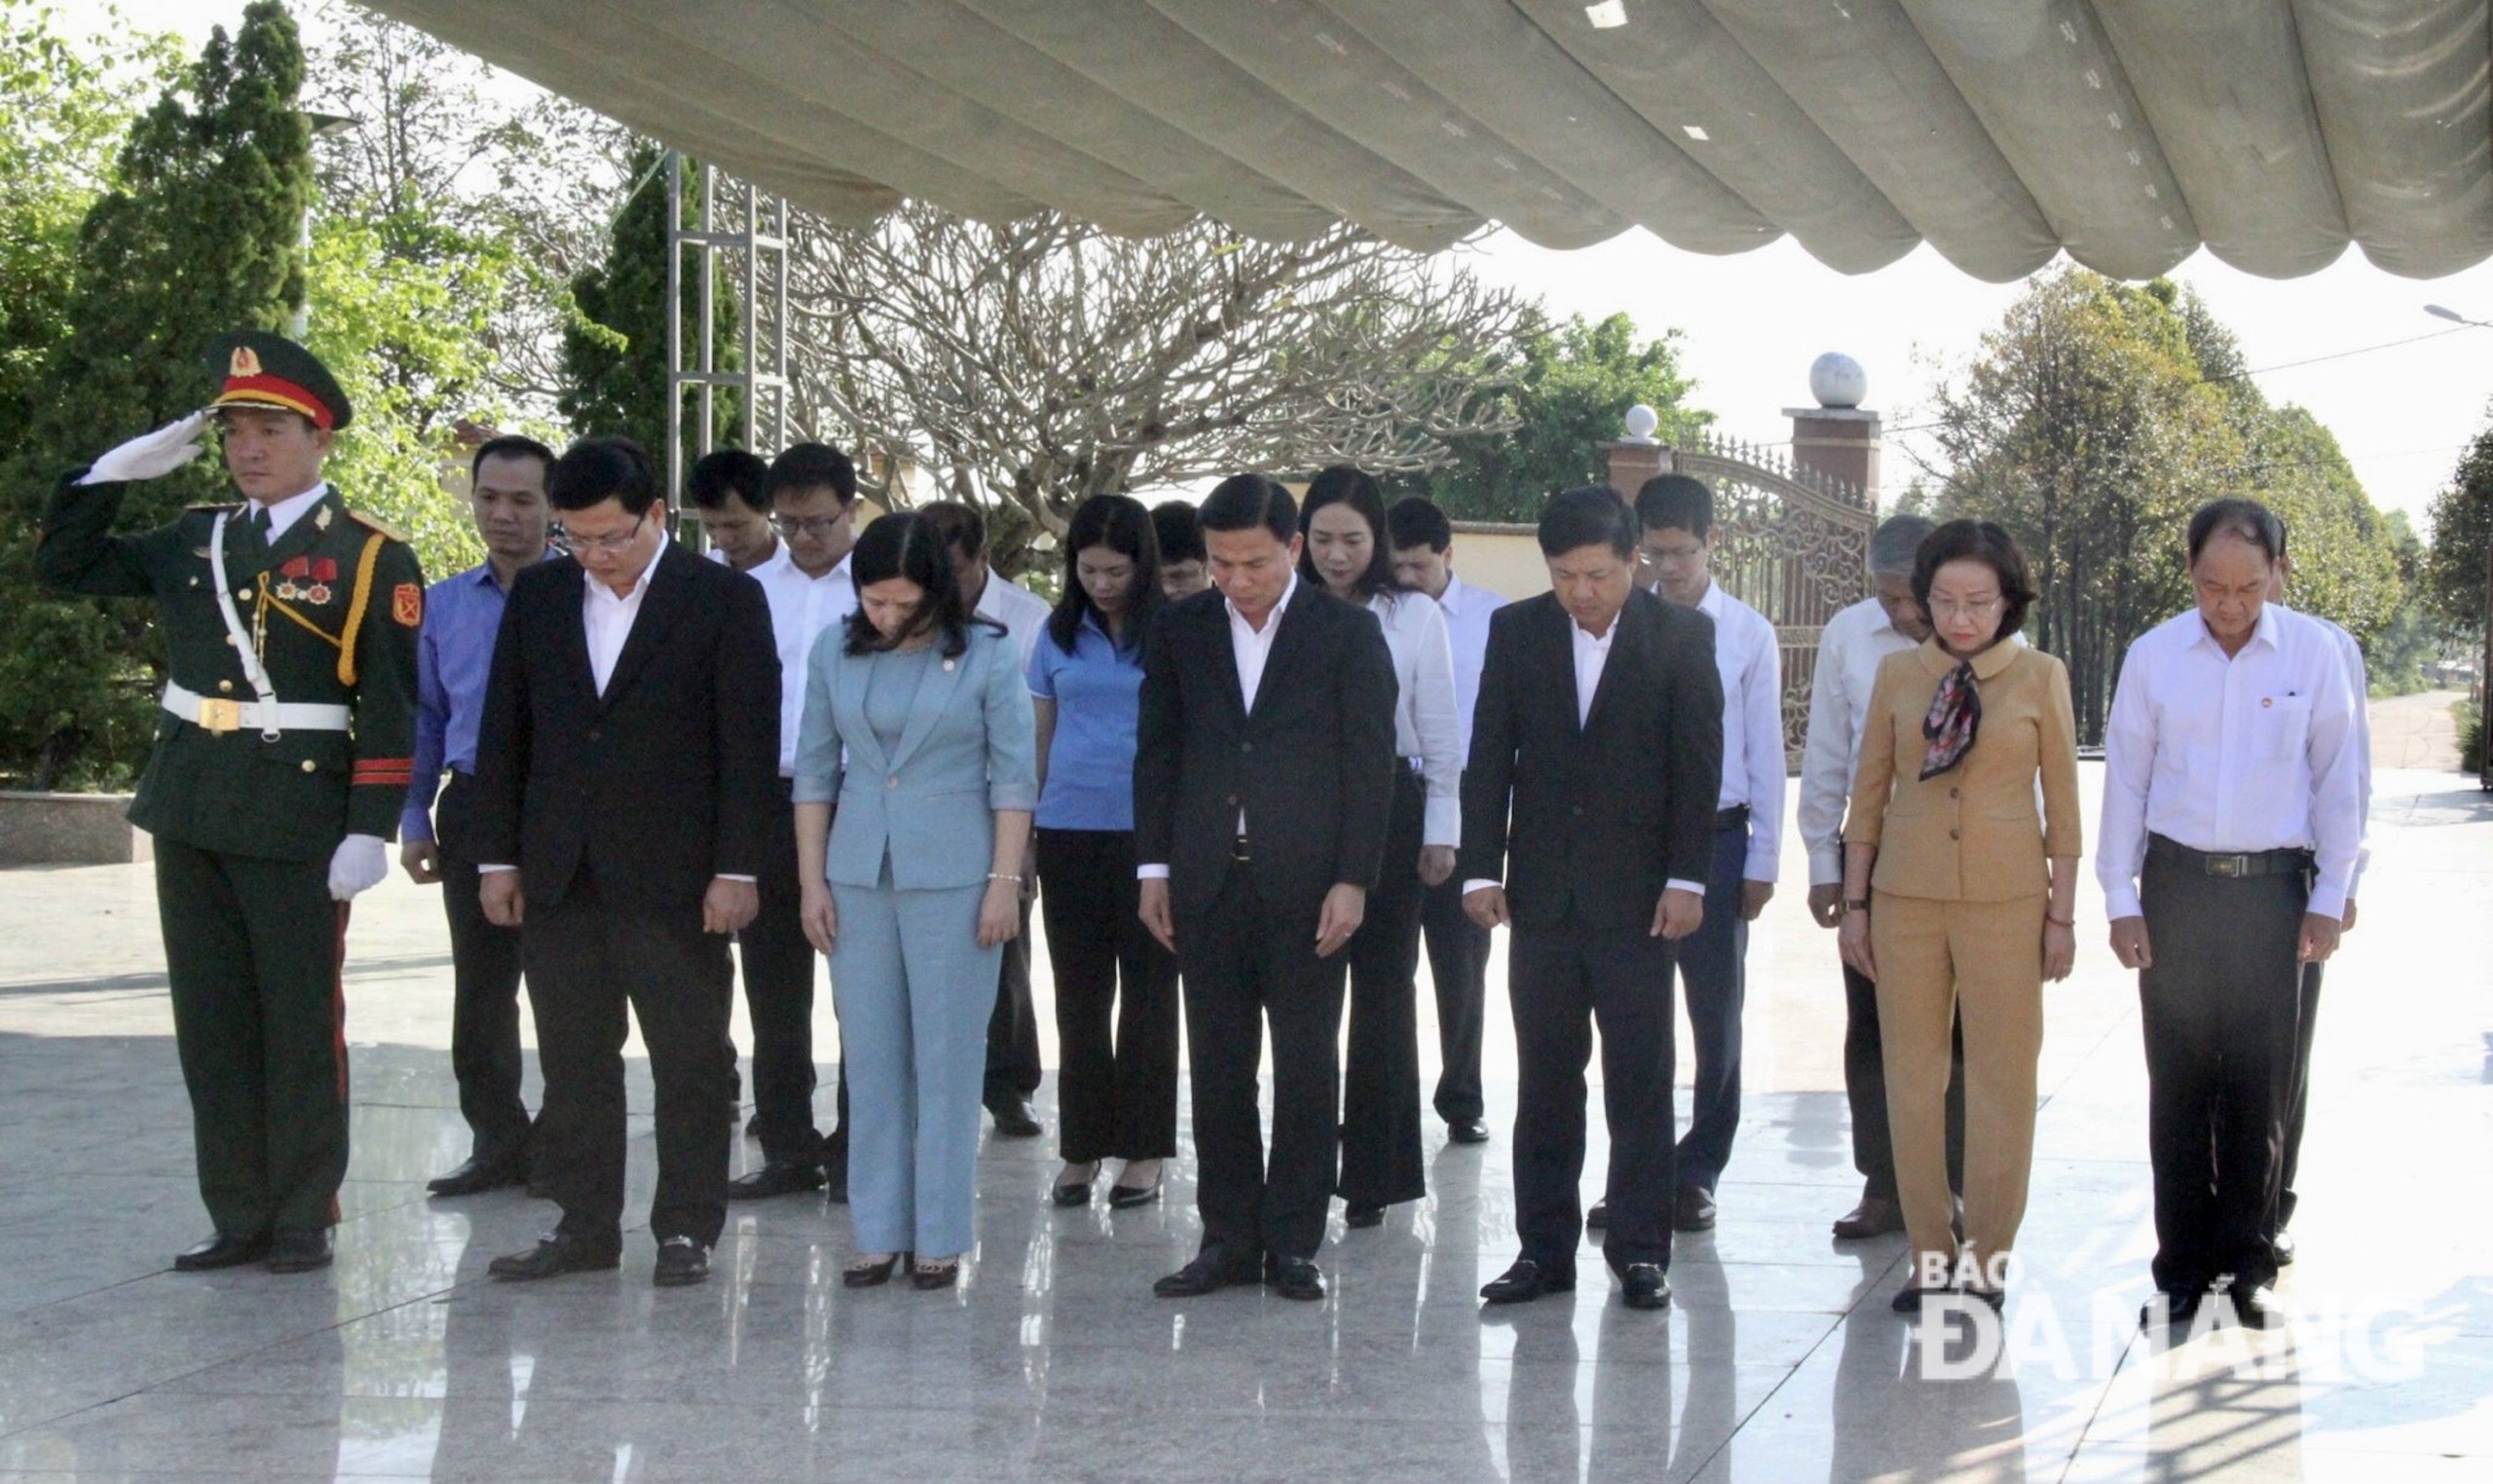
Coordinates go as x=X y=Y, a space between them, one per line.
x=1778 y=1361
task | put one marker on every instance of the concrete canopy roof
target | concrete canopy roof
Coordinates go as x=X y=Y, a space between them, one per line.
x=2001 y=131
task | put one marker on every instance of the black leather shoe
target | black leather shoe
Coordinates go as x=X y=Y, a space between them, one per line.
x=682 y=1263
x=1525 y=1282
x=2174 y=1308
x=555 y=1254
x=224 y=1250
x=1907 y=1299
x=2256 y=1306
x=299 y=1251
x=1362 y=1216
x=478 y=1175
x=1693 y=1210
x=776 y=1177
x=1295 y=1278
x=1599 y=1217
x=1875 y=1216
x=1214 y=1268
x=1643 y=1286
x=1468 y=1131
x=1014 y=1118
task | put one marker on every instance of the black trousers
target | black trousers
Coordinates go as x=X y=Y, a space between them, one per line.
x=485 y=981
x=1246 y=963
x=779 y=1000
x=1459 y=967
x=1562 y=982
x=1116 y=1002
x=2221 y=1008
x=1713 y=972
x=2289 y=1162
x=1013 y=1070
x=1381 y=1075
x=1865 y=1089
x=589 y=964
x=254 y=950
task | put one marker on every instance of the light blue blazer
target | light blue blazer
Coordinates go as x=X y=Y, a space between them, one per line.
x=968 y=749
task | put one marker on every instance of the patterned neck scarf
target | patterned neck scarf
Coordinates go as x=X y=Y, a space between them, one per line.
x=1955 y=715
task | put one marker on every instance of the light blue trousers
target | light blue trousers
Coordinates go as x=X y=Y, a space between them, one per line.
x=915 y=992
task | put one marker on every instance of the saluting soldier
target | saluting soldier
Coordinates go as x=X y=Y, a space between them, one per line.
x=280 y=763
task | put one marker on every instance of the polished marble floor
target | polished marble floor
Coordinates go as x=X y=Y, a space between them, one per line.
x=1779 y=1359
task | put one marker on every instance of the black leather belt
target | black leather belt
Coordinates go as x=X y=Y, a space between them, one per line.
x=1736 y=817
x=2257 y=863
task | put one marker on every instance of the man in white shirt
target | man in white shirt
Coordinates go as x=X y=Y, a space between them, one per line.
x=806 y=504
x=1678 y=516
x=1013 y=1070
x=1422 y=541
x=2232 y=825
x=2289 y=1162
x=1849 y=649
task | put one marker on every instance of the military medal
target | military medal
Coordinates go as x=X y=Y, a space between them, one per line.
x=318 y=592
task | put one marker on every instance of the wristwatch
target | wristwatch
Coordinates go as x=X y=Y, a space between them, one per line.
x=1853 y=905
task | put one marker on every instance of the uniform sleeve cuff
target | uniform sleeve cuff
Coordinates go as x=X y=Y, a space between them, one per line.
x=1479 y=884
x=491 y=870
x=1695 y=887
x=1151 y=873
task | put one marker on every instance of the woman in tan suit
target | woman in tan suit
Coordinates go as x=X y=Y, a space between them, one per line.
x=1975 y=894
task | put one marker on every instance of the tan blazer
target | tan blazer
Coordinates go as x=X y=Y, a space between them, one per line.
x=1969 y=834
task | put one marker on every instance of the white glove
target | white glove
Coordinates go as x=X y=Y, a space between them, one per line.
x=149 y=456
x=362 y=862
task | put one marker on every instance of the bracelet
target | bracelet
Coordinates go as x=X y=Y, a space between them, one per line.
x=997 y=875
x=2067 y=922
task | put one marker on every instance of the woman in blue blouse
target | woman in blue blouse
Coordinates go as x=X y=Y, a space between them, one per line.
x=1116 y=1095
x=917 y=725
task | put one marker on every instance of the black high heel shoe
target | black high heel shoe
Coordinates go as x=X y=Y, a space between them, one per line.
x=943 y=1272
x=870 y=1275
x=1071 y=1194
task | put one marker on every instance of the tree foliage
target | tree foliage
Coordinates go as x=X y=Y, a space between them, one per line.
x=194 y=235
x=1569 y=390
x=2094 y=418
x=1030 y=365
x=2462 y=517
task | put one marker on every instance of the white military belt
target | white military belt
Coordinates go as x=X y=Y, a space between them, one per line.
x=220 y=716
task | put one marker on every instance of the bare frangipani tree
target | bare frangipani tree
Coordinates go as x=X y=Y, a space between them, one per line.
x=1030 y=365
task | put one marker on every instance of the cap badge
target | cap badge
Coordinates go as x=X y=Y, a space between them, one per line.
x=246 y=362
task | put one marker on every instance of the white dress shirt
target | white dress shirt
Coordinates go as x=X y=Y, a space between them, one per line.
x=285 y=512
x=1023 y=613
x=802 y=607
x=1592 y=656
x=1750 y=656
x=1250 y=647
x=607 y=616
x=1849 y=649
x=1467 y=631
x=1424 y=707
x=2252 y=753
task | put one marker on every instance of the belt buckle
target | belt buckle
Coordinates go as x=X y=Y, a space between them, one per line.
x=218 y=716
x=2232 y=866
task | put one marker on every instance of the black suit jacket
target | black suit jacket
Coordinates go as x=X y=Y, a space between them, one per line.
x=1587 y=823
x=1312 y=766
x=666 y=780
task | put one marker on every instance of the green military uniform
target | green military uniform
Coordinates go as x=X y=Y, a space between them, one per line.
x=247 y=804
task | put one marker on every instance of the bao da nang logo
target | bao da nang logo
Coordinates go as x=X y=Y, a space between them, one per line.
x=2368 y=1339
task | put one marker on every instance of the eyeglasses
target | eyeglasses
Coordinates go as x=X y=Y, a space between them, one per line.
x=816 y=526
x=610 y=543
x=1979 y=608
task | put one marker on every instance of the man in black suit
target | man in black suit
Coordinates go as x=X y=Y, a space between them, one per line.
x=1263 y=769
x=624 y=779
x=1588 y=829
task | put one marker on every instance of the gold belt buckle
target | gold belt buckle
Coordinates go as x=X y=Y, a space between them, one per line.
x=219 y=717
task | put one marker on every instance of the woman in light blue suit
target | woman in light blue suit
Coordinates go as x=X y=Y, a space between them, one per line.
x=917 y=726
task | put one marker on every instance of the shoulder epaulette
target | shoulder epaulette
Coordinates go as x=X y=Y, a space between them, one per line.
x=374 y=522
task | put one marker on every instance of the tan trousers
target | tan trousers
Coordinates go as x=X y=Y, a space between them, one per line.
x=1984 y=959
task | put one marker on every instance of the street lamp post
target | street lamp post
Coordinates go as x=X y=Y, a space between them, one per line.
x=2484 y=668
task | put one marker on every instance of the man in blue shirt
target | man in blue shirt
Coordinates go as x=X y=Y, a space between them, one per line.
x=453 y=656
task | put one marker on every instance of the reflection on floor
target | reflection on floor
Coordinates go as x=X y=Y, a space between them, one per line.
x=1778 y=1360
